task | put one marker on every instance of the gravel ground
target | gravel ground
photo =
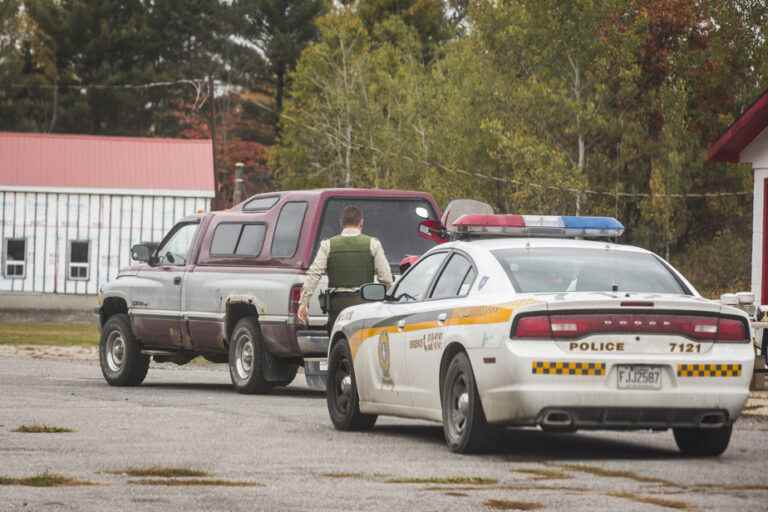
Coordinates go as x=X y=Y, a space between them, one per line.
x=188 y=417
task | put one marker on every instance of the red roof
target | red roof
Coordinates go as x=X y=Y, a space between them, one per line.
x=741 y=133
x=96 y=162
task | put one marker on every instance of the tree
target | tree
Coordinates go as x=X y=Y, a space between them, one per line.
x=280 y=29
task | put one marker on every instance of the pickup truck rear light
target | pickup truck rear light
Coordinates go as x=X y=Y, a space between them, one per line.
x=578 y=325
x=293 y=301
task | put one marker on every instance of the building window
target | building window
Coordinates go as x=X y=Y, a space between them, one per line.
x=15 y=266
x=78 y=259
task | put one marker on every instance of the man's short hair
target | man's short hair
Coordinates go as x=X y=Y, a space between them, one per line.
x=351 y=216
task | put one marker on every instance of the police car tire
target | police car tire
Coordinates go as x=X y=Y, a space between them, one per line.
x=350 y=419
x=477 y=435
x=254 y=383
x=703 y=442
x=131 y=368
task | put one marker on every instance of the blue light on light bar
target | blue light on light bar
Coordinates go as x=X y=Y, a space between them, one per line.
x=538 y=225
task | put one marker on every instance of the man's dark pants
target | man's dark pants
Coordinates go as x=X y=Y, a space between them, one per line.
x=338 y=302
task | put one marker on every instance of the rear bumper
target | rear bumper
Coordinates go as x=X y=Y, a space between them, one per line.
x=514 y=392
x=626 y=418
x=286 y=338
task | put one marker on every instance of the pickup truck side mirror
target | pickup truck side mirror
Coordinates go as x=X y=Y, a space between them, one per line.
x=142 y=252
x=373 y=292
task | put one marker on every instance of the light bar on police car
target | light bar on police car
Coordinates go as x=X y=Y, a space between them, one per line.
x=538 y=225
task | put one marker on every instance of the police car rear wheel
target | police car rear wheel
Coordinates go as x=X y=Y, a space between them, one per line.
x=703 y=442
x=246 y=358
x=464 y=424
x=343 y=400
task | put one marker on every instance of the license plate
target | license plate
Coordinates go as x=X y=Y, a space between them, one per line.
x=639 y=377
x=323 y=366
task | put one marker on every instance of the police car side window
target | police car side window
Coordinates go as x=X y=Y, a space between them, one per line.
x=415 y=284
x=451 y=280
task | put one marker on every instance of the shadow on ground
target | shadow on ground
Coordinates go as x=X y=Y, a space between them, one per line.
x=535 y=445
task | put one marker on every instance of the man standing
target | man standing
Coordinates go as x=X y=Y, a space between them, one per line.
x=350 y=259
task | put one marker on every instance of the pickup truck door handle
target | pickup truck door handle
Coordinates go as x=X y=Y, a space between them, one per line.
x=401 y=324
x=442 y=317
x=177 y=280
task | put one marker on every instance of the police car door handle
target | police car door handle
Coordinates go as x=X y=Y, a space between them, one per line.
x=442 y=317
x=401 y=324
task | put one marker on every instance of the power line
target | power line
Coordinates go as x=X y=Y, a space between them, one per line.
x=520 y=183
x=199 y=85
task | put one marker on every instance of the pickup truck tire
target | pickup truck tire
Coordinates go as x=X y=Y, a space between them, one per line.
x=703 y=442
x=341 y=392
x=122 y=362
x=247 y=358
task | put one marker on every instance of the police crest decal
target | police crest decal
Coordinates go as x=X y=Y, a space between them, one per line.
x=384 y=357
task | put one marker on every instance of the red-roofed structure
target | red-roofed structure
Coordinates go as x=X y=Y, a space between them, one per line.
x=71 y=206
x=746 y=141
x=90 y=162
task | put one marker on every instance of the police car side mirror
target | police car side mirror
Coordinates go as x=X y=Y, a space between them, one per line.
x=373 y=292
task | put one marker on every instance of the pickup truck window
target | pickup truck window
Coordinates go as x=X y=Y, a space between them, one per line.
x=260 y=204
x=176 y=248
x=393 y=221
x=237 y=238
x=286 y=239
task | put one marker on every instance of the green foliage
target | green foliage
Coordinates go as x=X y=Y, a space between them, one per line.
x=280 y=29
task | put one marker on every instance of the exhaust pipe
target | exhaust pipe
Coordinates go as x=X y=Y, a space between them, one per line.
x=557 y=419
x=715 y=419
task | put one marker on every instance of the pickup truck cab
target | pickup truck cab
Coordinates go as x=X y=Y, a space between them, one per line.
x=225 y=285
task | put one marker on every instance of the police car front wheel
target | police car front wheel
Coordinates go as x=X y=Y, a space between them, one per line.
x=341 y=391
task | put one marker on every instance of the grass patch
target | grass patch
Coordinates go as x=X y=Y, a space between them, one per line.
x=44 y=480
x=612 y=473
x=206 y=482
x=343 y=474
x=49 y=334
x=160 y=472
x=512 y=505
x=36 y=428
x=446 y=480
x=456 y=494
x=650 y=500
x=544 y=474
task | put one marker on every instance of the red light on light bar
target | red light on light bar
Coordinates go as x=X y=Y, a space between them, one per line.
x=491 y=221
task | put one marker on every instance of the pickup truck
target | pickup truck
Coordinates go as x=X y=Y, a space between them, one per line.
x=225 y=286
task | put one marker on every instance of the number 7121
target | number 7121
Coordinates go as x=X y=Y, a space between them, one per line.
x=684 y=347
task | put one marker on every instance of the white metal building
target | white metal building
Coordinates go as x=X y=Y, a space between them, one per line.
x=746 y=141
x=71 y=206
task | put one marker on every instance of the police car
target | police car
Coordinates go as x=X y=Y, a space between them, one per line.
x=522 y=321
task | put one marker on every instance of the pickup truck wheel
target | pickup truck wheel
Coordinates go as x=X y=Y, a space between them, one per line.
x=703 y=442
x=122 y=362
x=341 y=392
x=246 y=358
x=464 y=425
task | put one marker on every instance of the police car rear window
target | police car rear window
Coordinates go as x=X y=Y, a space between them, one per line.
x=562 y=270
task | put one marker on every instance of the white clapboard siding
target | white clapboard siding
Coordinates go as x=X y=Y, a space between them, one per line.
x=110 y=222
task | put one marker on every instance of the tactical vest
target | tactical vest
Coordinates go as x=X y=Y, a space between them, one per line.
x=350 y=262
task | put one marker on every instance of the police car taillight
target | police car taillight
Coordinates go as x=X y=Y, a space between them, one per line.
x=577 y=325
x=538 y=225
